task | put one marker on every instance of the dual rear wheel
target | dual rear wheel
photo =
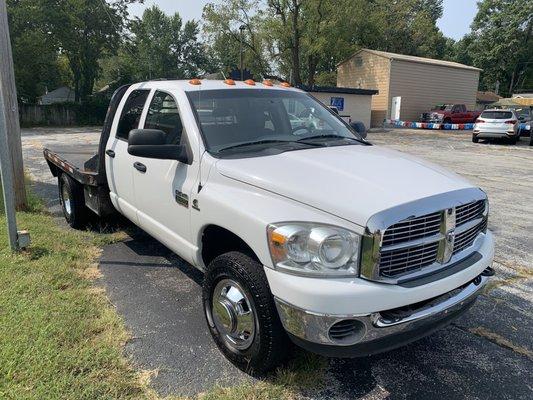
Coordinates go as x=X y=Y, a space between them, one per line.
x=72 y=202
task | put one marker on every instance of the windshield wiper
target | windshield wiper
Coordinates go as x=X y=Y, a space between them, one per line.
x=329 y=136
x=266 y=141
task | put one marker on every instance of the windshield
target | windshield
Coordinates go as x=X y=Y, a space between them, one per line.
x=443 y=107
x=245 y=120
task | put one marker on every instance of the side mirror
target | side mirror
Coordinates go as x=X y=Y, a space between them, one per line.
x=151 y=143
x=359 y=127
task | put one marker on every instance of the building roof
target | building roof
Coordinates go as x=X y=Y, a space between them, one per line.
x=487 y=97
x=523 y=96
x=61 y=92
x=341 y=90
x=404 y=57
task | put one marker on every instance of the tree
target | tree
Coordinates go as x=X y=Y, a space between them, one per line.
x=37 y=67
x=500 y=43
x=222 y=28
x=163 y=47
x=85 y=31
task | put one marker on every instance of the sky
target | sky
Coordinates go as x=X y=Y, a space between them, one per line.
x=455 y=23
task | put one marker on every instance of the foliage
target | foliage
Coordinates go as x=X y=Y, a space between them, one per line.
x=501 y=44
x=165 y=47
x=222 y=23
x=304 y=40
x=34 y=52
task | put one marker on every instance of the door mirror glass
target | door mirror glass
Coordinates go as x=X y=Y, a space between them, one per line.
x=152 y=143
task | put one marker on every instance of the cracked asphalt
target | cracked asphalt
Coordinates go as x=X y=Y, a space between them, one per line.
x=486 y=354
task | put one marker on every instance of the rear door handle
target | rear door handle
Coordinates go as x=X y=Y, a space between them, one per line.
x=140 y=167
x=110 y=153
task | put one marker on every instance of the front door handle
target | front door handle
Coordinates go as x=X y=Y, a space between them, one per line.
x=110 y=153
x=140 y=167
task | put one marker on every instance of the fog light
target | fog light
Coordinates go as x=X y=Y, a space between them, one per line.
x=347 y=331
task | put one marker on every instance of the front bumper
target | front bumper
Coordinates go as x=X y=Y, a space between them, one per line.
x=381 y=331
x=310 y=307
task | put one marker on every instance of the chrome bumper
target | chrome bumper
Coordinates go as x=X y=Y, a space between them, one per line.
x=377 y=331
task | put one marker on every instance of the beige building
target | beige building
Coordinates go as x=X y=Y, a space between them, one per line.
x=408 y=85
x=352 y=104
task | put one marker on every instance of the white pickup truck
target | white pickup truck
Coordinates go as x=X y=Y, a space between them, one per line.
x=306 y=232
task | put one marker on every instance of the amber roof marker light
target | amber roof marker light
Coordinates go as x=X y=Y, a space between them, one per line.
x=285 y=84
x=195 y=81
x=250 y=82
x=268 y=82
x=230 y=82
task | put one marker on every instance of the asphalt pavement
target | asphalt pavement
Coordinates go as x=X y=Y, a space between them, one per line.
x=486 y=354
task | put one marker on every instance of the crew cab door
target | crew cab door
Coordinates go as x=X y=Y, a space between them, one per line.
x=163 y=188
x=119 y=164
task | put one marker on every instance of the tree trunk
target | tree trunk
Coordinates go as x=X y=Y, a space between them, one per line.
x=311 y=65
x=295 y=50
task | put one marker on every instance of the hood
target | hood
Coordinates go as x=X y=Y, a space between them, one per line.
x=350 y=182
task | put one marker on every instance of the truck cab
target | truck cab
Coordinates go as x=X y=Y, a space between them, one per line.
x=306 y=232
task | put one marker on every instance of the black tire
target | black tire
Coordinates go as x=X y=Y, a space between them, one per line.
x=447 y=121
x=475 y=139
x=270 y=344
x=514 y=140
x=74 y=210
x=531 y=139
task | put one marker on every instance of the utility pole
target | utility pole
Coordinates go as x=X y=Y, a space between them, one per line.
x=241 y=28
x=10 y=110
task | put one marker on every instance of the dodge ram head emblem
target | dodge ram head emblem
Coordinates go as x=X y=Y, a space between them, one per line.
x=447 y=243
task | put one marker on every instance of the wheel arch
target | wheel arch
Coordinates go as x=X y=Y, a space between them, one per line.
x=216 y=240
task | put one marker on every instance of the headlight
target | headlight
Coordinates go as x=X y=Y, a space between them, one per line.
x=314 y=249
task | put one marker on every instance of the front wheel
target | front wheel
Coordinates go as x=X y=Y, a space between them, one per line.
x=241 y=314
x=475 y=139
x=531 y=139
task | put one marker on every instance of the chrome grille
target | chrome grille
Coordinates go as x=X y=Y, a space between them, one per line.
x=396 y=262
x=414 y=244
x=412 y=229
x=469 y=211
x=465 y=239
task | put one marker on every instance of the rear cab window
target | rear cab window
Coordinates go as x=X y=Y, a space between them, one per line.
x=131 y=113
x=497 y=115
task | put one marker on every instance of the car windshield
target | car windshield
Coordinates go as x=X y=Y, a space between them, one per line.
x=444 y=107
x=497 y=114
x=248 y=120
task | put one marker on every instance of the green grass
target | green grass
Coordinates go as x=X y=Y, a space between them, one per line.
x=61 y=339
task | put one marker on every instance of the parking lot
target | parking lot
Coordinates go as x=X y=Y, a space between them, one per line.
x=488 y=353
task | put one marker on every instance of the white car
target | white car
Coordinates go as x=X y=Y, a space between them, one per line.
x=497 y=124
x=315 y=236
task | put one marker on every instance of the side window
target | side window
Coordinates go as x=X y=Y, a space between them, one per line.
x=462 y=108
x=163 y=114
x=131 y=113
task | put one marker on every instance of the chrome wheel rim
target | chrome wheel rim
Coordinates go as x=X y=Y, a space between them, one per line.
x=65 y=198
x=233 y=315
